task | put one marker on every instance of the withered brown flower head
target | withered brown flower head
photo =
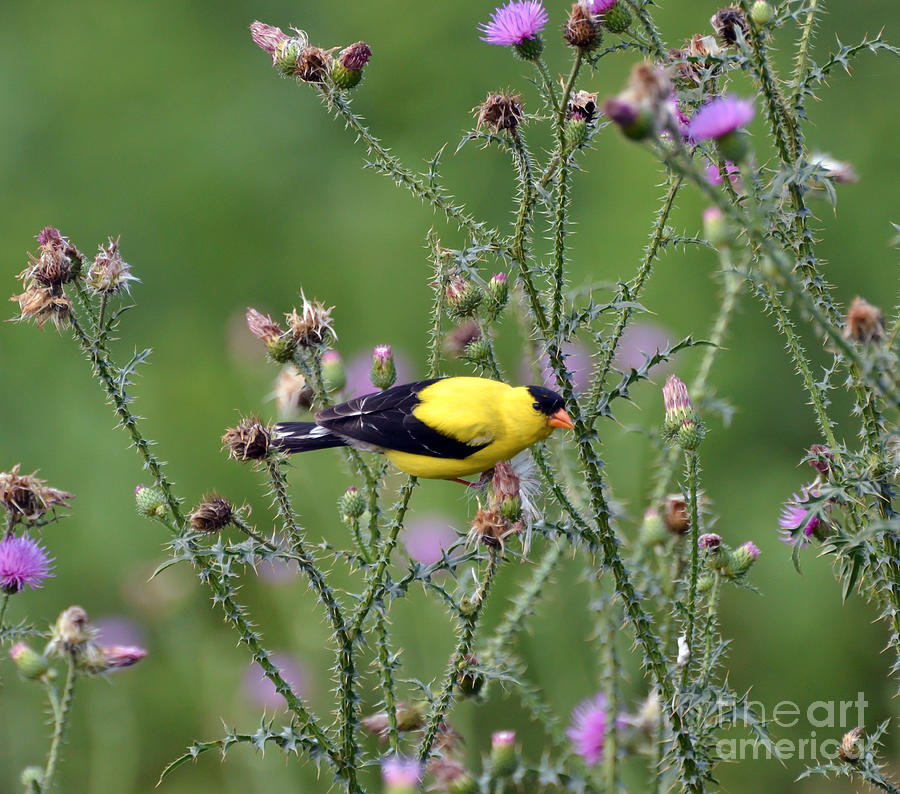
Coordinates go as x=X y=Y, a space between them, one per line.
x=726 y=22
x=51 y=270
x=851 y=748
x=581 y=30
x=505 y=483
x=864 y=323
x=250 y=440
x=676 y=516
x=27 y=498
x=492 y=529
x=41 y=305
x=650 y=83
x=263 y=327
x=109 y=273
x=313 y=64
x=71 y=632
x=500 y=111
x=212 y=514
x=582 y=106
x=313 y=325
x=356 y=56
x=820 y=458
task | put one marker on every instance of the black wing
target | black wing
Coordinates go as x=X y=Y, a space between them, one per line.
x=386 y=420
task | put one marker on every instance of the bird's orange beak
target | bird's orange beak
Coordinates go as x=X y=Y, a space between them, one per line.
x=560 y=419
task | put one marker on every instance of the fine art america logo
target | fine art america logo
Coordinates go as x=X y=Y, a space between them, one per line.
x=827 y=721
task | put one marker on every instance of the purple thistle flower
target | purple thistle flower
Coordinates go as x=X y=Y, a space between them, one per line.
x=513 y=23
x=600 y=6
x=23 y=563
x=793 y=516
x=720 y=117
x=262 y=691
x=709 y=541
x=401 y=773
x=588 y=729
x=750 y=549
x=714 y=176
x=119 y=656
x=428 y=537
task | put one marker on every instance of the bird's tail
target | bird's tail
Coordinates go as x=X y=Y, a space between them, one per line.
x=304 y=436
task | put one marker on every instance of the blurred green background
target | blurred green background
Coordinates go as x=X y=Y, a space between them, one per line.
x=162 y=123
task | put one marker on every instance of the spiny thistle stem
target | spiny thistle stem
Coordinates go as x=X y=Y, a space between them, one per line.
x=634 y=290
x=468 y=624
x=526 y=202
x=391 y=166
x=803 y=53
x=385 y=670
x=61 y=709
x=115 y=391
x=712 y=606
x=693 y=475
x=4 y=604
x=388 y=543
x=659 y=47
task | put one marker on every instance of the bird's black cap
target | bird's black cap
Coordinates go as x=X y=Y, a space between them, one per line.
x=549 y=401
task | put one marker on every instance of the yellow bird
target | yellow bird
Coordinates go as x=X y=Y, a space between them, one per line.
x=444 y=428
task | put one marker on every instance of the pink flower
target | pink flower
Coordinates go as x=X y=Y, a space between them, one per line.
x=359 y=369
x=714 y=176
x=588 y=729
x=398 y=772
x=793 y=516
x=710 y=541
x=599 y=6
x=640 y=341
x=513 y=23
x=118 y=656
x=720 y=117
x=428 y=537
x=750 y=549
x=23 y=563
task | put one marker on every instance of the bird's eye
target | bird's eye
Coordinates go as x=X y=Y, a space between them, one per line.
x=536 y=406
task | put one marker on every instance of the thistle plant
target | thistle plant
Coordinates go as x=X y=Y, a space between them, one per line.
x=659 y=577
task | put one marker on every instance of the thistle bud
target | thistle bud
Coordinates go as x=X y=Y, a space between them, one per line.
x=726 y=22
x=463 y=297
x=529 y=49
x=682 y=426
x=478 y=351
x=383 y=374
x=743 y=557
x=250 y=440
x=676 y=516
x=150 y=502
x=503 y=752
x=653 y=530
x=497 y=295
x=635 y=121
x=351 y=504
x=31 y=664
x=715 y=228
x=715 y=553
x=617 y=19
x=333 y=372
x=213 y=514
x=852 y=746
x=820 y=459
x=575 y=133
x=761 y=13
x=469 y=680
x=109 y=273
x=581 y=30
x=347 y=70
x=279 y=343
x=462 y=784
x=864 y=323
x=500 y=111
x=118 y=656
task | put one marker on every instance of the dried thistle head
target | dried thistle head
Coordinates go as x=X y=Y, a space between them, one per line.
x=727 y=21
x=491 y=528
x=109 y=273
x=852 y=748
x=313 y=64
x=500 y=111
x=581 y=29
x=279 y=343
x=312 y=325
x=214 y=513
x=676 y=516
x=42 y=306
x=250 y=440
x=582 y=106
x=58 y=262
x=864 y=323
x=71 y=634
x=27 y=498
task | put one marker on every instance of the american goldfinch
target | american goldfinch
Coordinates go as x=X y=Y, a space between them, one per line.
x=443 y=428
